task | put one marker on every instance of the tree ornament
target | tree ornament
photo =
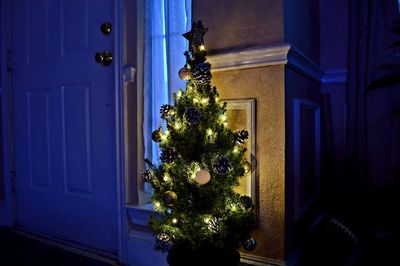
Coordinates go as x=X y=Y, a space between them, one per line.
x=246 y=201
x=249 y=244
x=164 y=242
x=196 y=35
x=165 y=110
x=202 y=74
x=241 y=136
x=170 y=197
x=247 y=167
x=156 y=135
x=147 y=175
x=202 y=177
x=192 y=115
x=184 y=73
x=222 y=164
x=168 y=155
x=213 y=224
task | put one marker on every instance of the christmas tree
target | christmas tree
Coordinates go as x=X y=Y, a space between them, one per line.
x=201 y=162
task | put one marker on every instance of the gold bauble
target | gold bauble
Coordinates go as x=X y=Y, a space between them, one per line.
x=170 y=197
x=247 y=167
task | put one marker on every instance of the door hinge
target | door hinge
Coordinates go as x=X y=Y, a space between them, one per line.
x=9 y=60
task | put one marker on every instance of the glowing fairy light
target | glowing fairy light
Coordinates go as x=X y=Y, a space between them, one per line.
x=195 y=100
x=179 y=94
x=236 y=149
x=202 y=47
x=174 y=221
x=216 y=99
x=233 y=207
x=223 y=118
x=209 y=132
x=204 y=100
x=225 y=124
x=177 y=125
x=166 y=177
x=207 y=220
x=157 y=204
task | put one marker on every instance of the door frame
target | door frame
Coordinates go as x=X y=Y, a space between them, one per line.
x=8 y=206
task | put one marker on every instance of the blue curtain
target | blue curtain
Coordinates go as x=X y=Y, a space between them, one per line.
x=165 y=22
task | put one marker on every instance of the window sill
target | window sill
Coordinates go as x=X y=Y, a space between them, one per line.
x=139 y=215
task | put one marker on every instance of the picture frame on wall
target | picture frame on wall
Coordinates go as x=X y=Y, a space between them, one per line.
x=241 y=115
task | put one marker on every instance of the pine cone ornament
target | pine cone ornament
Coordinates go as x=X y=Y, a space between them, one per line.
x=241 y=136
x=192 y=115
x=222 y=164
x=168 y=155
x=163 y=242
x=246 y=201
x=165 y=110
x=202 y=74
x=147 y=175
x=213 y=225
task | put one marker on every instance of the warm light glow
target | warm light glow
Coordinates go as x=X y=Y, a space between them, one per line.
x=225 y=124
x=174 y=221
x=207 y=220
x=202 y=47
x=163 y=137
x=216 y=99
x=209 y=132
x=195 y=100
x=233 y=207
x=177 y=125
x=223 y=118
x=236 y=149
x=157 y=204
x=204 y=100
x=166 y=177
x=166 y=133
x=179 y=94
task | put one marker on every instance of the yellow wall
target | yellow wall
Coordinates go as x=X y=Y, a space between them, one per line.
x=240 y=23
x=266 y=86
x=235 y=24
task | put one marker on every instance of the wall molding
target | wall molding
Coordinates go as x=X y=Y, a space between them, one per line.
x=304 y=65
x=257 y=260
x=250 y=58
x=300 y=105
x=281 y=54
x=335 y=76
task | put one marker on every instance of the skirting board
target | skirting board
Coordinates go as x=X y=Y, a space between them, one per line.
x=257 y=260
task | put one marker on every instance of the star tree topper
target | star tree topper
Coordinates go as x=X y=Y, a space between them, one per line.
x=196 y=35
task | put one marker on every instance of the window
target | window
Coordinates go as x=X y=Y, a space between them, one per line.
x=165 y=22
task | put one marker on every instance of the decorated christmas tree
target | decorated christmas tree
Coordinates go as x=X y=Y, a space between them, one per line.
x=201 y=162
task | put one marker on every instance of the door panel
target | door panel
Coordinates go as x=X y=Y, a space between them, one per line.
x=64 y=121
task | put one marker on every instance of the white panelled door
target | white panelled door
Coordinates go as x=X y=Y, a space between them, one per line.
x=64 y=121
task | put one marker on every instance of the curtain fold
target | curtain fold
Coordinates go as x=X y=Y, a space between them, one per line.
x=165 y=22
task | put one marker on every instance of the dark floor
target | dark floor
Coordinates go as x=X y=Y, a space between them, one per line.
x=18 y=250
